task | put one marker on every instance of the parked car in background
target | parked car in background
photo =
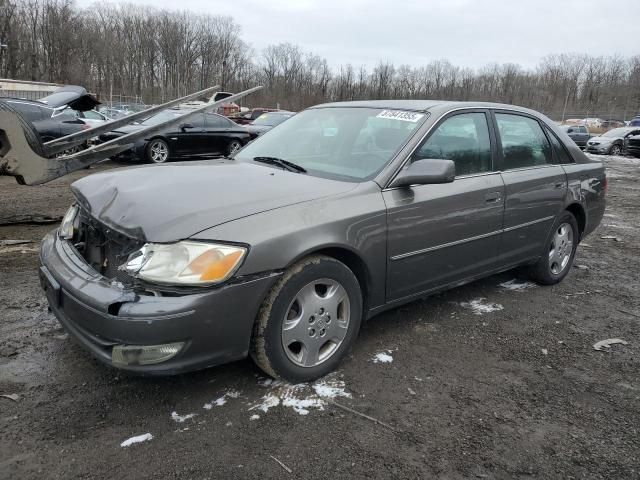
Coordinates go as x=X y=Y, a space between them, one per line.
x=578 y=133
x=613 y=142
x=92 y=117
x=283 y=252
x=245 y=118
x=50 y=123
x=203 y=135
x=114 y=113
x=635 y=122
x=633 y=144
x=267 y=121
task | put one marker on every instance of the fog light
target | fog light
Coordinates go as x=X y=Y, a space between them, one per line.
x=144 y=354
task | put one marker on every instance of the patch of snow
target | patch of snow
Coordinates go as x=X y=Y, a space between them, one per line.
x=479 y=306
x=301 y=398
x=181 y=418
x=515 y=284
x=254 y=417
x=545 y=351
x=383 y=357
x=218 y=402
x=140 y=438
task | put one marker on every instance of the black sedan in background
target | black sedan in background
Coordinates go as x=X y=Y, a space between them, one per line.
x=50 y=123
x=200 y=136
x=267 y=121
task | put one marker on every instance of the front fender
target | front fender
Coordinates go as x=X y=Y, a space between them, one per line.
x=355 y=222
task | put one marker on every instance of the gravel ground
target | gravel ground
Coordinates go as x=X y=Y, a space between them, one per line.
x=479 y=382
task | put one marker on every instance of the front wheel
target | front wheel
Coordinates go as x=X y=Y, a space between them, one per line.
x=157 y=151
x=309 y=320
x=559 y=252
x=615 y=150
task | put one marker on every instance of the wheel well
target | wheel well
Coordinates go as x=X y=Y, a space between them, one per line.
x=577 y=211
x=356 y=265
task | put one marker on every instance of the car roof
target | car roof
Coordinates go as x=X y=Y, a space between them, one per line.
x=423 y=105
x=25 y=100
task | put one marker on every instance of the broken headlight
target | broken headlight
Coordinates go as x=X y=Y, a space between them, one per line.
x=68 y=223
x=185 y=263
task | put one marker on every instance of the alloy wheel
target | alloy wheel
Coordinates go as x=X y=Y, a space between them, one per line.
x=159 y=152
x=316 y=322
x=561 y=248
x=616 y=150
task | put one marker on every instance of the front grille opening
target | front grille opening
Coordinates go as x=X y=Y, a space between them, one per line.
x=103 y=249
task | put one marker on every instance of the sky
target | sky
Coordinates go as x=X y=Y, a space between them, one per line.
x=469 y=33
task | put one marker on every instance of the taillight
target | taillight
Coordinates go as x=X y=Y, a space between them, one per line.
x=605 y=185
x=84 y=126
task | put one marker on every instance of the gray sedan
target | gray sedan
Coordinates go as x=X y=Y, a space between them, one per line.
x=340 y=213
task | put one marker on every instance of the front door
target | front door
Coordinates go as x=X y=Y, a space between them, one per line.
x=191 y=140
x=536 y=186
x=440 y=235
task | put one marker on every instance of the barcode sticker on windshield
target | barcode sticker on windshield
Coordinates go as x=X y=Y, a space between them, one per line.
x=400 y=115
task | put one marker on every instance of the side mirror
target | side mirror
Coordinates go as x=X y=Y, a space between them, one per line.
x=570 y=130
x=185 y=126
x=424 y=172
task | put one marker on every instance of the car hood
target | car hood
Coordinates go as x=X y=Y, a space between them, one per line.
x=604 y=139
x=75 y=97
x=166 y=203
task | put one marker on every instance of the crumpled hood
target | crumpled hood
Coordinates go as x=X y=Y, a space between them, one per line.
x=166 y=203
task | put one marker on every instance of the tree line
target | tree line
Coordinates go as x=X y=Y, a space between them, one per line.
x=155 y=54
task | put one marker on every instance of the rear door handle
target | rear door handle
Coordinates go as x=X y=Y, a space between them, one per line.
x=559 y=185
x=493 y=197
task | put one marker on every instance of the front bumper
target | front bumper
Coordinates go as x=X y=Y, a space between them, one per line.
x=603 y=149
x=216 y=325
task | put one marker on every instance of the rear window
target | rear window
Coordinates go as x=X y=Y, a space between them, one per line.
x=524 y=144
x=31 y=112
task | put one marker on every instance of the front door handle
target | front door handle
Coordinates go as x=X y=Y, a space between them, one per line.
x=493 y=197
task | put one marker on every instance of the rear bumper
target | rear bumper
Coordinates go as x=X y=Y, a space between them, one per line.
x=215 y=325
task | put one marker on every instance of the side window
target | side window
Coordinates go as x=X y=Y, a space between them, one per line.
x=524 y=144
x=216 y=121
x=463 y=138
x=560 y=151
x=583 y=129
x=196 y=120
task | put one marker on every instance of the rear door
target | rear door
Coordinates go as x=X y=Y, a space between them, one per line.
x=218 y=133
x=442 y=234
x=536 y=186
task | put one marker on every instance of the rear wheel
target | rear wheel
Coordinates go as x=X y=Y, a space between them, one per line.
x=309 y=320
x=233 y=147
x=560 y=250
x=157 y=151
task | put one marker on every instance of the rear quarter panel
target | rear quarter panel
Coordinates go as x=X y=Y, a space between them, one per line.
x=586 y=183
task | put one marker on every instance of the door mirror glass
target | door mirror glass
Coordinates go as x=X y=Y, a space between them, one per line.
x=424 y=172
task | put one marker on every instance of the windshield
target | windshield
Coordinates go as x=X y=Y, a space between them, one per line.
x=270 y=119
x=344 y=143
x=616 y=132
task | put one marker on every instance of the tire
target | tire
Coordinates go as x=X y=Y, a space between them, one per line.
x=233 y=147
x=157 y=151
x=557 y=258
x=30 y=133
x=304 y=291
x=615 y=150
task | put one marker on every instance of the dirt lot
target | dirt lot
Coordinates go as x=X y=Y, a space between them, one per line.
x=514 y=392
